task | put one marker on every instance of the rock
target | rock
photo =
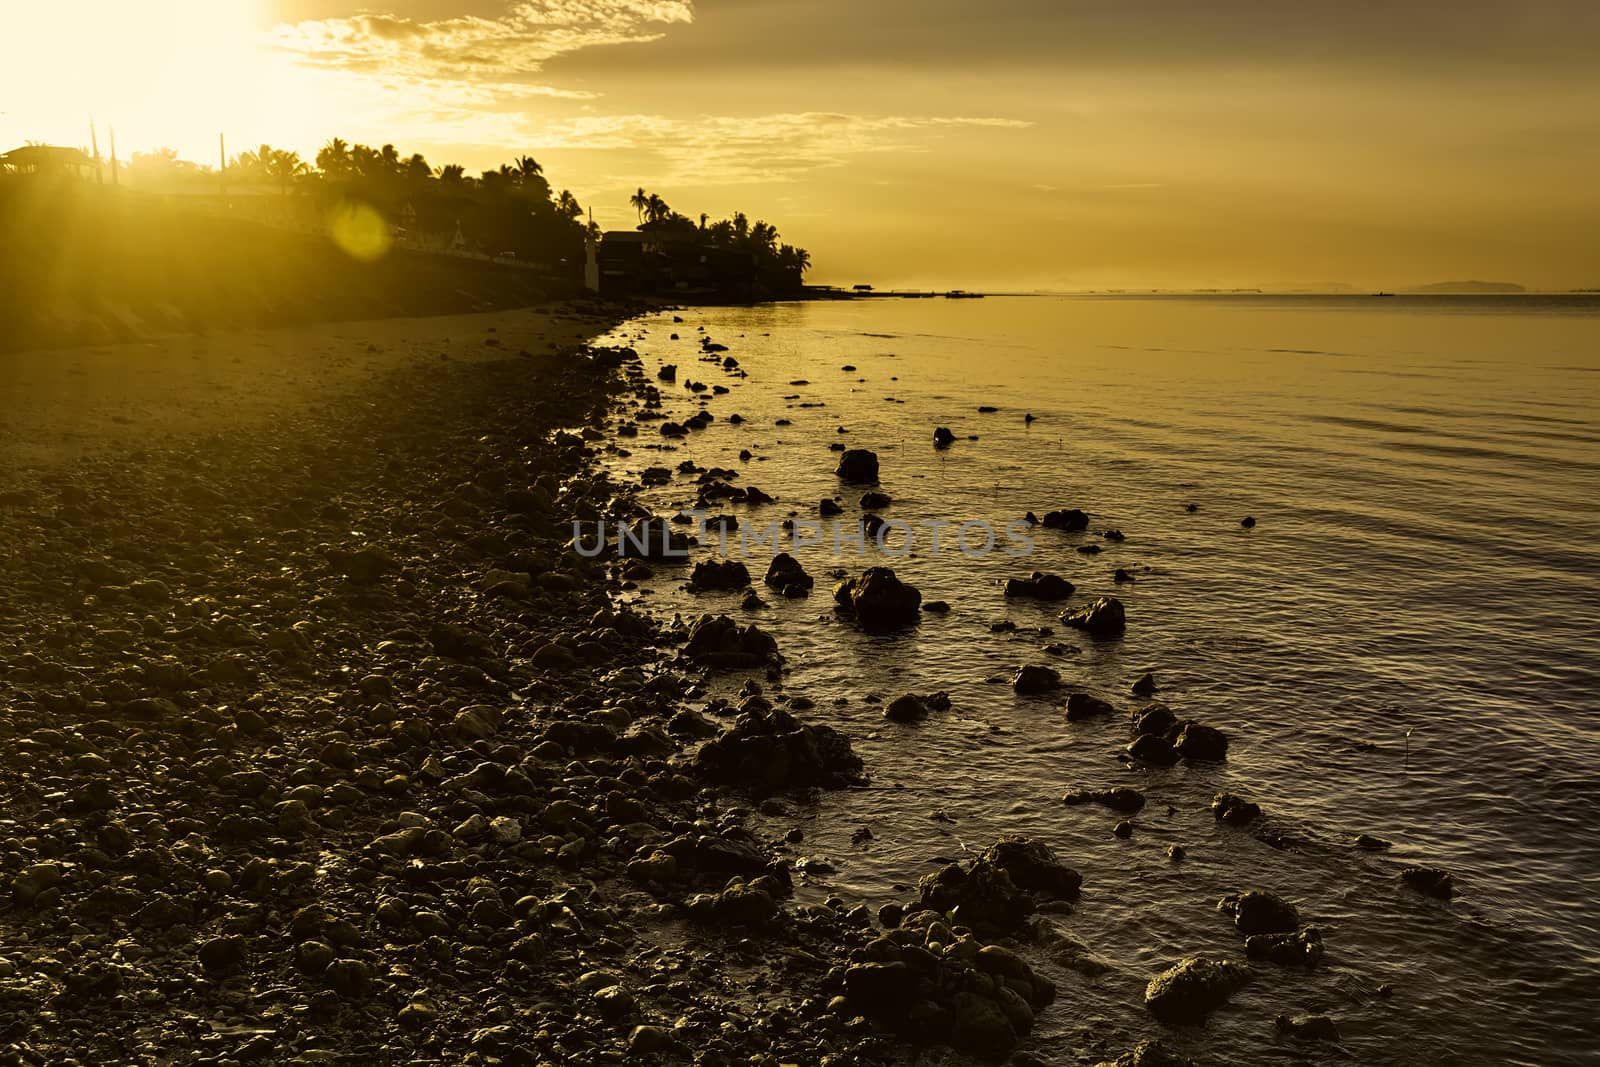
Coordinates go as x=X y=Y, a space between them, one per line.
x=1154 y=719
x=1145 y=686
x=786 y=575
x=1300 y=948
x=1040 y=586
x=1070 y=520
x=719 y=574
x=878 y=600
x=1081 y=706
x=650 y=1040
x=551 y=656
x=1156 y=751
x=1148 y=1053
x=1248 y=522
x=221 y=955
x=829 y=507
x=1257 y=911
x=1308 y=1027
x=943 y=437
x=768 y=751
x=907 y=708
x=1368 y=843
x=32 y=882
x=1103 y=618
x=1193 y=988
x=978 y=1026
x=1123 y=829
x=1234 y=810
x=858 y=465
x=1033 y=679
x=718 y=641
x=1118 y=798
x=981 y=896
x=1430 y=881
x=1031 y=865
x=1197 y=741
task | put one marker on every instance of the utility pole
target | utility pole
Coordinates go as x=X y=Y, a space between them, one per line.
x=94 y=143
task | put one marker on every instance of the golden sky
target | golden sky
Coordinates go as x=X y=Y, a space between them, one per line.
x=1020 y=143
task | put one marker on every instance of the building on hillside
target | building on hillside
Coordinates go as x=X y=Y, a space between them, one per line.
x=43 y=160
x=645 y=263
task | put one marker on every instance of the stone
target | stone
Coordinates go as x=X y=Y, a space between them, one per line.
x=1031 y=865
x=786 y=575
x=1257 y=911
x=858 y=465
x=1308 y=1027
x=1299 y=948
x=221 y=955
x=1118 y=798
x=1144 y=687
x=1234 y=810
x=1102 y=618
x=1430 y=881
x=1070 y=520
x=1081 y=706
x=1200 y=742
x=1040 y=586
x=878 y=600
x=719 y=574
x=1033 y=680
x=1193 y=988
x=943 y=437
x=1156 y=751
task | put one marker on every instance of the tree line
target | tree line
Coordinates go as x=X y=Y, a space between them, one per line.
x=512 y=208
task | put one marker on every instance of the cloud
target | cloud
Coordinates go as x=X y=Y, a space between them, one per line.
x=732 y=150
x=468 y=49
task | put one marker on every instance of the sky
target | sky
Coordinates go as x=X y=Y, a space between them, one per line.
x=999 y=144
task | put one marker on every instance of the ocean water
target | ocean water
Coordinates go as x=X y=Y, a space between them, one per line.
x=1426 y=560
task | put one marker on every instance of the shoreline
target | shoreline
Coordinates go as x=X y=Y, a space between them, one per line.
x=322 y=742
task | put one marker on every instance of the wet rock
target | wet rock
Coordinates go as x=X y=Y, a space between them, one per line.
x=1070 y=520
x=1257 y=911
x=222 y=955
x=35 y=881
x=1033 y=679
x=1102 y=618
x=1248 y=522
x=1368 y=843
x=943 y=437
x=786 y=575
x=1430 y=881
x=740 y=904
x=979 y=1026
x=1123 y=829
x=1082 y=706
x=1039 y=586
x=718 y=641
x=1148 y=1053
x=769 y=750
x=1234 y=810
x=1301 y=948
x=1193 y=988
x=913 y=708
x=829 y=507
x=1118 y=798
x=858 y=465
x=715 y=574
x=1153 y=750
x=1197 y=741
x=1032 y=866
x=878 y=600
x=1145 y=686
x=981 y=896
x=1153 y=719
x=1308 y=1027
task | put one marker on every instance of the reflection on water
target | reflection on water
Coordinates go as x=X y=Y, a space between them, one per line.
x=1426 y=558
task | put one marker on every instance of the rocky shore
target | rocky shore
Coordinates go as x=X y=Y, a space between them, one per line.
x=325 y=747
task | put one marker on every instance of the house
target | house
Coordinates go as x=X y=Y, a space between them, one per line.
x=43 y=159
x=672 y=263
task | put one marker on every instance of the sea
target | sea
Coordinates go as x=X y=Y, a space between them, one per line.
x=1405 y=643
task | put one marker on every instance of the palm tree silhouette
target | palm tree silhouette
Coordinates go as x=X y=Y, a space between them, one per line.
x=640 y=201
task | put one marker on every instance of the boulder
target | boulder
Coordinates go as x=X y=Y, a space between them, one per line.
x=1033 y=679
x=1156 y=751
x=1148 y=1053
x=1103 y=618
x=858 y=465
x=786 y=575
x=878 y=600
x=1257 y=911
x=1070 y=520
x=943 y=437
x=718 y=641
x=1301 y=948
x=719 y=574
x=1193 y=988
x=1117 y=798
x=1234 y=810
x=769 y=750
x=1430 y=881
x=1032 y=865
x=1308 y=1027
x=1081 y=706
x=1040 y=586
x=1197 y=741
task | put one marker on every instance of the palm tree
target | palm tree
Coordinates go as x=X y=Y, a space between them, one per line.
x=656 y=209
x=528 y=168
x=390 y=158
x=567 y=205
x=703 y=218
x=741 y=225
x=640 y=201
x=417 y=169
x=280 y=165
x=333 y=159
x=451 y=174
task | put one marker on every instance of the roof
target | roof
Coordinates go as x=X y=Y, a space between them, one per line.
x=44 y=155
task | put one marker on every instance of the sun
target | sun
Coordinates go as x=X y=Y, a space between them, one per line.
x=162 y=72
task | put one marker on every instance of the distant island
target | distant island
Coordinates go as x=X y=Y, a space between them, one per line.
x=1469 y=287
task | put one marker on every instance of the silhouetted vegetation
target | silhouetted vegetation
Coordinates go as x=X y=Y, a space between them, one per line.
x=780 y=268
